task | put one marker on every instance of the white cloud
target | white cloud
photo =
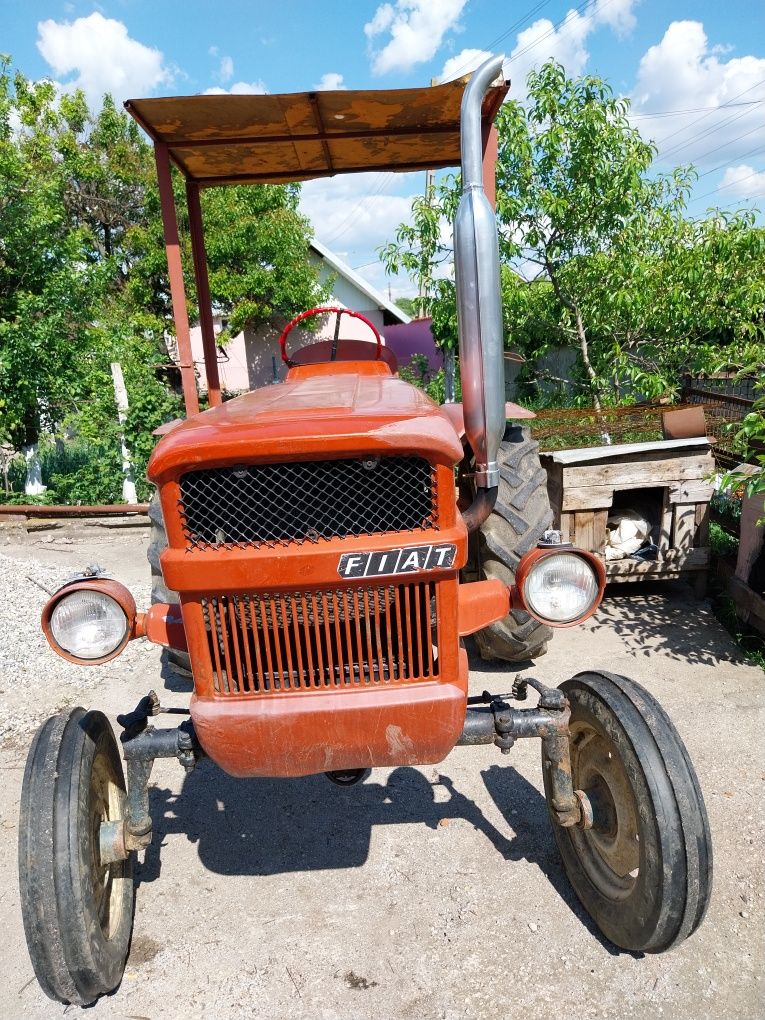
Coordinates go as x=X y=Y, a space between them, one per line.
x=684 y=73
x=358 y=211
x=226 y=69
x=416 y=29
x=356 y=214
x=239 y=88
x=330 y=82
x=101 y=55
x=617 y=14
x=743 y=181
x=463 y=63
x=543 y=41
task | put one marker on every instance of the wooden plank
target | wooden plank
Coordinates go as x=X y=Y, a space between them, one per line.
x=567 y=527
x=600 y=530
x=672 y=565
x=645 y=473
x=593 y=497
x=665 y=575
x=684 y=527
x=584 y=529
x=589 y=497
x=701 y=537
x=750 y=606
x=691 y=560
x=554 y=495
x=665 y=526
x=691 y=492
x=659 y=448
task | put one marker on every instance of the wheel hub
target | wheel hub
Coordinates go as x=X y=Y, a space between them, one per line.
x=611 y=829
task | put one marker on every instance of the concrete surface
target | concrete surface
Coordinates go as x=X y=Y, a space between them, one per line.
x=423 y=893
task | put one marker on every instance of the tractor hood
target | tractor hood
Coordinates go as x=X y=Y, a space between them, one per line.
x=325 y=411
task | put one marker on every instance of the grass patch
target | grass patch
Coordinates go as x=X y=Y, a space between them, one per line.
x=749 y=642
x=722 y=542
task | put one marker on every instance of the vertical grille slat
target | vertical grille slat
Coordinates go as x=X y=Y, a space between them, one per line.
x=399 y=634
x=235 y=632
x=268 y=643
x=254 y=505
x=248 y=672
x=428 y=638
x=258 y=678
x=268 y=676
x=338 y=643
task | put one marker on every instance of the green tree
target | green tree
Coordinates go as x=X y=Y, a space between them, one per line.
x=257 y=249
x=606 y=260
x=49 y=287
x=83 y=274
x=409 y=305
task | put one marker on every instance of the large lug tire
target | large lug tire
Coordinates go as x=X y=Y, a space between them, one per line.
x=518 y=522
x=78 y=913
x=180 y=661
x=644 y=870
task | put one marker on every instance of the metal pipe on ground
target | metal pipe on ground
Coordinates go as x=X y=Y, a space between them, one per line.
x=64 y=510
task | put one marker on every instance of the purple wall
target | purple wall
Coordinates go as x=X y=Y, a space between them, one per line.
x=413 y=338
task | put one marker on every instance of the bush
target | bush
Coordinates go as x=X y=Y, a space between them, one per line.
x=418 y=373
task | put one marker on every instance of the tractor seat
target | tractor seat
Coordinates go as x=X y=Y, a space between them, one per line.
x=347 y=350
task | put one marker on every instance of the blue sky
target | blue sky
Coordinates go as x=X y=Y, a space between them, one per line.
x=695 y=72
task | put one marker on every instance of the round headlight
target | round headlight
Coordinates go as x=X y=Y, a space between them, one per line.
x=88 y=624
x=561 y=587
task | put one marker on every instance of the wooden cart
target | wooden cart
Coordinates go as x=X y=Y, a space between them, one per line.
x=670 y=478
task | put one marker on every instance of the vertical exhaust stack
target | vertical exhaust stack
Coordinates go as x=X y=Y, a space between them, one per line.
x=479 y=303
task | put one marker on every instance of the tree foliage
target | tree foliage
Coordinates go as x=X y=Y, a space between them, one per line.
x=83 y=276
x=598 y=252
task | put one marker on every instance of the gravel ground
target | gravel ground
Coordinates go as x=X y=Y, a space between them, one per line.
x=422 y=893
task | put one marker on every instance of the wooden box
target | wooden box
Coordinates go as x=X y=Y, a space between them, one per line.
x=670 y=476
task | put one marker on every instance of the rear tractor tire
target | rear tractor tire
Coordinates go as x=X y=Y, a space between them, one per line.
x=516 y=525
x=180 y=661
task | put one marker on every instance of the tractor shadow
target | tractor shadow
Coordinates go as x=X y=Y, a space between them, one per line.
x=264 y=827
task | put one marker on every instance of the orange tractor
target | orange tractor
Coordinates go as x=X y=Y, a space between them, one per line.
x=317 y=532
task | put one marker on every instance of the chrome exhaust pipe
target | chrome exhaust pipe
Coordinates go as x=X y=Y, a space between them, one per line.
x=479 y=302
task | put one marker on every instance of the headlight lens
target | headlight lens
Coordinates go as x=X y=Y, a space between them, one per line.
x=561 y=587
x=88 y=624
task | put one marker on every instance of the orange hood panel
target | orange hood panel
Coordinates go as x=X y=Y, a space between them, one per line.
x=327 y=410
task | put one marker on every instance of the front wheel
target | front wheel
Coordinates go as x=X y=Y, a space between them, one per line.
x=643 y=871
x=78 y=911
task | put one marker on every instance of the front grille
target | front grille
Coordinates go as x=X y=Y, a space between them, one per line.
x=311 y=640
x=280 y=504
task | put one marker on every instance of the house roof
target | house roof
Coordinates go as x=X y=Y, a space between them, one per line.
x=226 y=139
x=377 y=297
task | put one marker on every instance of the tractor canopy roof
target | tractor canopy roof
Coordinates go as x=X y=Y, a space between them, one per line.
x=259 y=139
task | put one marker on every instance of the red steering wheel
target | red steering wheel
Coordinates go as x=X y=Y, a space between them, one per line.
x=323 y=311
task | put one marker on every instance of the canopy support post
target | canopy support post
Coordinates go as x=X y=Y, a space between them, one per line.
x=490 y=152
x=175 y=273
x=199 y=257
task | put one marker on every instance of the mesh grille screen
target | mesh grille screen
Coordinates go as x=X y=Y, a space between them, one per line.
x=310 y=640
x=270 y=504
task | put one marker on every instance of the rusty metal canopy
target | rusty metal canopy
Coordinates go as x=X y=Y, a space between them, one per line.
x=298 y=136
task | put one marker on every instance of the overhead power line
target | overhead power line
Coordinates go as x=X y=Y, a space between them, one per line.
x=722 y=187
x=345 y=224
x=752 y=152
x=693 y=109
x=730 y=141
x=714 y=127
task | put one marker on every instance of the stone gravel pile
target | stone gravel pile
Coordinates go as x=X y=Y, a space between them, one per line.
x=34 y=681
